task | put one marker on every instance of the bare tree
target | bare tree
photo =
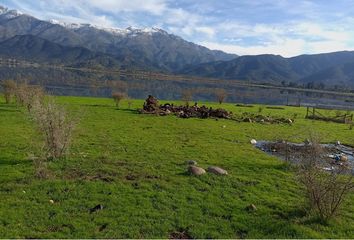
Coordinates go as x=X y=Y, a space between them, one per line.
x=9 y=87
x=220 y=95
x=118 y=97
x=28 y=95
x=130 y=102
x=187 y=95
x=326 y=188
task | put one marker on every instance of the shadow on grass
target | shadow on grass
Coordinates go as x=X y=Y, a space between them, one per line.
x=133 y=111
x=296 y=213
x=185 y=174
x=96 y=105
x=8 y=108
x=13 y=162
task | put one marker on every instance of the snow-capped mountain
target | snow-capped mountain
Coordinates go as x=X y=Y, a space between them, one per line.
x=150 y=48
x=117 y=31
x=9 y=14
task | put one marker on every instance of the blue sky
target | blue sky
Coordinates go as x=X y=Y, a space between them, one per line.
x=285 y=27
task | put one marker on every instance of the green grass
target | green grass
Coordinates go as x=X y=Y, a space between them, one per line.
x=160 y=198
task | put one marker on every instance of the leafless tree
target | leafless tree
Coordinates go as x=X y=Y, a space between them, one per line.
x=187 y=95
x=130 y=102
x=220 y=95
x=118 y=97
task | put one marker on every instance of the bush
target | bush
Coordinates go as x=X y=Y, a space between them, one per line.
x=325 y=191
x=27 y=95
x=9 y=88
x=187 y=96
x=55 y=126
x=118 y=97
x=220 y=95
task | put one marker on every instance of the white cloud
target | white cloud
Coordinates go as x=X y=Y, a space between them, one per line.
x=152 y=6
x=286 y=48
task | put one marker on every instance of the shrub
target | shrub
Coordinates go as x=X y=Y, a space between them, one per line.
x=187 y=96
x=130 y=102
x=55 y=125
x=27 y=95
x=220 y=95
x=118 y=97
x=9 y=87
x=325 y=191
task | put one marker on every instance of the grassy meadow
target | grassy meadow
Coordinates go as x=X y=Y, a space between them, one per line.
x=134 y=166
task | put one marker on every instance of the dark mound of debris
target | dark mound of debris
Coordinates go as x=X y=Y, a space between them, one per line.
x=152 y=106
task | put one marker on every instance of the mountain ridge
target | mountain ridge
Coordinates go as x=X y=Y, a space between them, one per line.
x=153 y=49
x=154 y=45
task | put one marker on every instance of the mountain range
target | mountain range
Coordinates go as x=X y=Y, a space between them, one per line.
x=319 y=70
x=25 y=37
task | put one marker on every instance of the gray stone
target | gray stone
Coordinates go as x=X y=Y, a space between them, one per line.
x=217 y=170
x=197 y=171
x=251 y=208
x=191 y=162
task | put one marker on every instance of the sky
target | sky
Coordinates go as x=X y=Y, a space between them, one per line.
x=244 y=27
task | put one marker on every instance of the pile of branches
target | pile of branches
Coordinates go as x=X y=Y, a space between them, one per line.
x=152 y=106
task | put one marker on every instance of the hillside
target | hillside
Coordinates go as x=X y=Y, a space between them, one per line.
x=35 y=49
x=149 y=48
x=303 y=69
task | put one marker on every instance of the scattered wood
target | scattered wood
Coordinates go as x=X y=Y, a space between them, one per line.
x=258 y=118
x=151 y=106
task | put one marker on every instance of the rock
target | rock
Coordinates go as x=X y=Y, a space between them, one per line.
x=217 y=170
x=344 y=158
x=254 y=141
x=196 y=171
x=191 y=162
x=251 y=208
x=96 y=208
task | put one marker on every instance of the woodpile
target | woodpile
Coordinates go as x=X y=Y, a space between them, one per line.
x=151 y=106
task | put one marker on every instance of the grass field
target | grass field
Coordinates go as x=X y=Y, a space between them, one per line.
x=134 y=166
